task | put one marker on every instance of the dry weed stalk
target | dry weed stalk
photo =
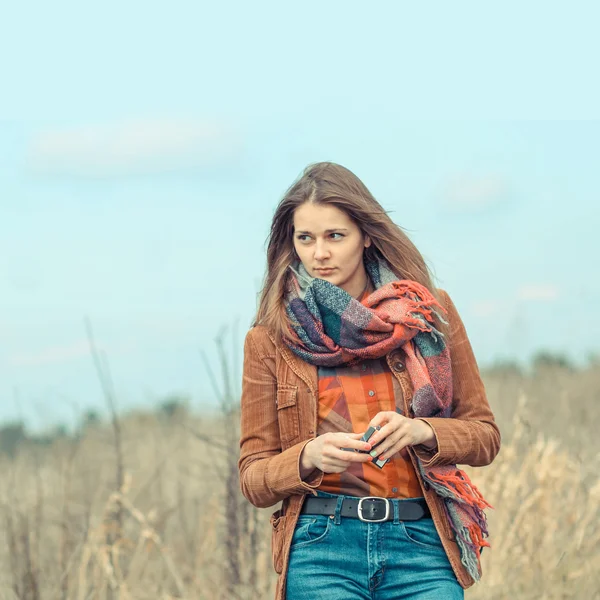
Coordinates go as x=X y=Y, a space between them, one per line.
x=545 y=526
x=131 y=552
x=179 y=489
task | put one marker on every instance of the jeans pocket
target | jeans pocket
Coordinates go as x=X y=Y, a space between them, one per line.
x=310 y=529
x=423 y=533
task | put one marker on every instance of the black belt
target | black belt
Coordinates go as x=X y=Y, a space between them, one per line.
x=369 y=508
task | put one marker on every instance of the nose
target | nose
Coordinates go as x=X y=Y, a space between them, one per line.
x=321 y=251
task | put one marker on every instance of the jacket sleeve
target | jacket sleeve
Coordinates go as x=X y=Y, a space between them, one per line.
x=267 y=474
x=470 y=436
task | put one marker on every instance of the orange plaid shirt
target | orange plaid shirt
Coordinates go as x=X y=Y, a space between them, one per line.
x=349 y=397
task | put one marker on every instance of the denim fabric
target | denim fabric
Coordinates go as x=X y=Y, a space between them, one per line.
x=341 y=558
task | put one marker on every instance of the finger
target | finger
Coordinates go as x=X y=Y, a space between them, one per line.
x=381 y=417
x=385 y=431
x=355 y=444
x=394 y=448
x=386 y=443
x=350 y=456
x=400 y=449
x=396 y=421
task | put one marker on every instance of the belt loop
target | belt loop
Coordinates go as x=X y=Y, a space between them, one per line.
x=396 y=505
x=338 y=510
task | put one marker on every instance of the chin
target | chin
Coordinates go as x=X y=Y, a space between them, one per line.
x=333 y=278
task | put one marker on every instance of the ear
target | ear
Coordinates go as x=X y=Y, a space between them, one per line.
x=367 y=241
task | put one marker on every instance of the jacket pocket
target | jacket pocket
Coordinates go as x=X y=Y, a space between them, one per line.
x=277 y=521
x=287 y=412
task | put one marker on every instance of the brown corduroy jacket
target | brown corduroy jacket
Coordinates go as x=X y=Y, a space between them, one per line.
x=279 y=417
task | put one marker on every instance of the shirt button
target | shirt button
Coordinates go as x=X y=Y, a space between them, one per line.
x=364 y=367
x=394 y=490
x=399 y=366
x=371 y=393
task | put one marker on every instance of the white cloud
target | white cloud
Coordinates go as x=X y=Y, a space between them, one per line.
x=469 y=194
x=52 y=354
x=538 y=292
x=486 y=308
x=134 y=147
x=529 y=292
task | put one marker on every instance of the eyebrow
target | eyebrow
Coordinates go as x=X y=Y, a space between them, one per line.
x=326 y=231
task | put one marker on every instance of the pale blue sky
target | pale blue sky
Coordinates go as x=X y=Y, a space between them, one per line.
x=142 y=155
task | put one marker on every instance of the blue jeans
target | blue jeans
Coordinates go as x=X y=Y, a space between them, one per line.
x=342 y=558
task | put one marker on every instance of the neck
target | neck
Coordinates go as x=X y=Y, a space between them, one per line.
x=366 y=286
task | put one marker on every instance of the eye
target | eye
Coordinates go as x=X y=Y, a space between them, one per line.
x=301 y=237
x=340 y=234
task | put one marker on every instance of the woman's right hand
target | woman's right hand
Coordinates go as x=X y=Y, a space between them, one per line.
x=325 y=452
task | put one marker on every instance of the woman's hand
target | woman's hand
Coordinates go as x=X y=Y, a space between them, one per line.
x=325 y=452
x=397 y=432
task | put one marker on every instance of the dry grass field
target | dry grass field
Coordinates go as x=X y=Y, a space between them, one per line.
x=151 y=508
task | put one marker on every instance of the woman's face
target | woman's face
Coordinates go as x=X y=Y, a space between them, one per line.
x=326 y=238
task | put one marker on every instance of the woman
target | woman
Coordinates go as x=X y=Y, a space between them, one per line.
x=350 y=334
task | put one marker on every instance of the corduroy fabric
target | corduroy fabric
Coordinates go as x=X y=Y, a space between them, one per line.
x=274 y=435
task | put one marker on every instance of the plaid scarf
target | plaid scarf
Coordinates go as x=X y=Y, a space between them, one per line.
x=332 y=328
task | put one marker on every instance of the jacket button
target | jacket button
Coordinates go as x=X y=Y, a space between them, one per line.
x=399 y=366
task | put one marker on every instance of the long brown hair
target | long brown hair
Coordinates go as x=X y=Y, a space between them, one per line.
x=330 y=183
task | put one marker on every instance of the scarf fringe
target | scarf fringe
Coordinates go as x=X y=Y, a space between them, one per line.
x=469 y=556
x=477 y=538
x=427 y=300
x=462 y=500
x=472 y=535
x=462 y=487
x=470 y=540
x=426 y=307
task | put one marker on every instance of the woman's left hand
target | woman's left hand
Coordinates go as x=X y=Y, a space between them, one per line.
x=397 y=431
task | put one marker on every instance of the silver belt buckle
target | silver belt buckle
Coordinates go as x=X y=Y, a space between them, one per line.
x=360 y=509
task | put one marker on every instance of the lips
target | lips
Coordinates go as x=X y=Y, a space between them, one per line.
x=324 y=271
